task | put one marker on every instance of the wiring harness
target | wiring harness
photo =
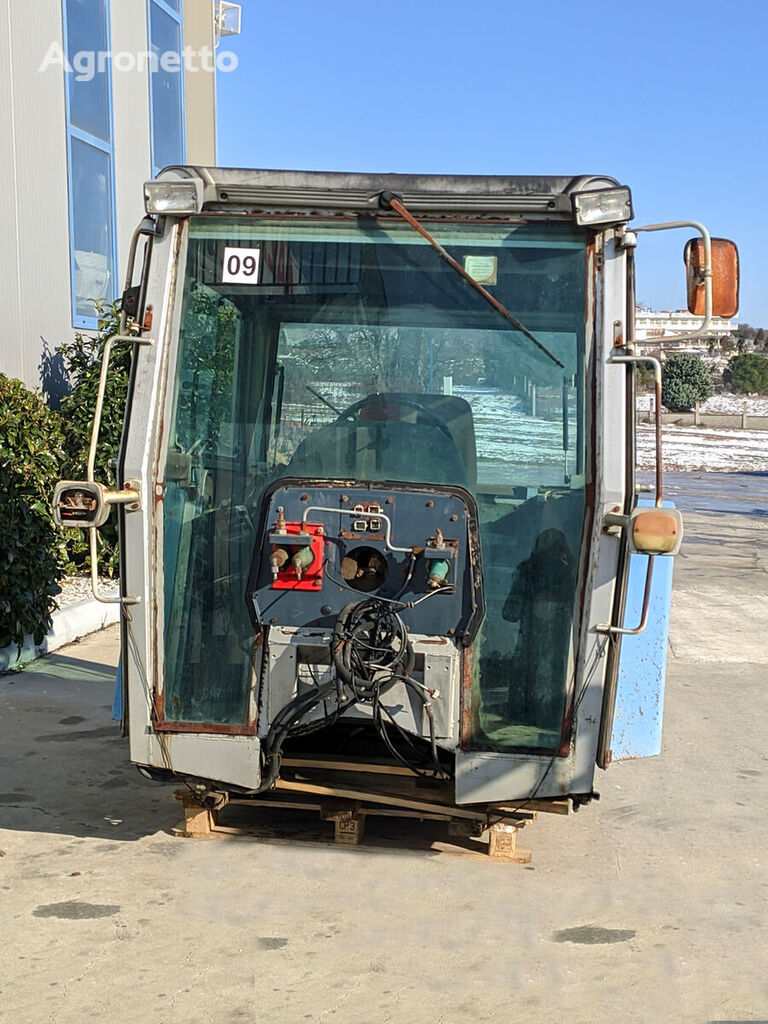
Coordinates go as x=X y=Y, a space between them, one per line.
x=371 y=652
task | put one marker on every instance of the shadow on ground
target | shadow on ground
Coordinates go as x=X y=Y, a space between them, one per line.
x=64 y=768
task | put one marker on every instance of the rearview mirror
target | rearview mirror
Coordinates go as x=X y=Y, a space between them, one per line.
x=655 y=531
x=725 y=277
x=79 y=504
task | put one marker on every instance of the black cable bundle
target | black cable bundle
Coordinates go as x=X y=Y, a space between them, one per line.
x=370 y=638
x=286 y=723
x=371 y=651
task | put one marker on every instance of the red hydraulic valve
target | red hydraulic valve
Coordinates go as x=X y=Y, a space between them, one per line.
x=296 y=558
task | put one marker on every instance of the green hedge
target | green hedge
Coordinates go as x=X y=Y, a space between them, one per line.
x=31 y=456
x=38 y=447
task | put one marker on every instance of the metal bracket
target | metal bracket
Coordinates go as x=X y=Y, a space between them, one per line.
x=607 y=627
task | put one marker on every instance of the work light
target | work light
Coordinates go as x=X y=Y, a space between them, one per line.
x=602 y=206
x=173 y=197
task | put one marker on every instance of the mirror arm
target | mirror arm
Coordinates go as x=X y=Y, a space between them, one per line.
x=640 y=627
x=703 y=328
x=656 y=366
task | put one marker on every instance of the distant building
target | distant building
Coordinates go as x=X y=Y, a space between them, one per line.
x=95 y=97
x=654 y=332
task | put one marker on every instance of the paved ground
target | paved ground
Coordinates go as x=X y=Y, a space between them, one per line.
x=648 y=906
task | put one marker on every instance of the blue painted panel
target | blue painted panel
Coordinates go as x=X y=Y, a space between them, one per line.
x=117 y=701
x=639 y=705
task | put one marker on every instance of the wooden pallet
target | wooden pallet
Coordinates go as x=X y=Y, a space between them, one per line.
x=300 y=812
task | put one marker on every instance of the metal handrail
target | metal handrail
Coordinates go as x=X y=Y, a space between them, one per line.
x=609 y=627
x=117 y=497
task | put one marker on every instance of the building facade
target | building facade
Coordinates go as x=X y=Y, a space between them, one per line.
x=655 y=332
x=95 y=97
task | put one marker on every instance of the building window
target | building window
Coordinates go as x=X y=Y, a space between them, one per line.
x=90 y=162
x=166 y=88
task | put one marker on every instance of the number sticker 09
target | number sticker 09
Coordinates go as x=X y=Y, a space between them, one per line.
x=241 y=266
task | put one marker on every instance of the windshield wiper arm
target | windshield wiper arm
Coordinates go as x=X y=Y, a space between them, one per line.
x=389 y=200
x=324 y=401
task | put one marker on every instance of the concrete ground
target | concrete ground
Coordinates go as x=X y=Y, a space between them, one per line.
x=647 y=906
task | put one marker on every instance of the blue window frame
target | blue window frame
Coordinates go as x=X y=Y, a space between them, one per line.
x=90 y=159
x=166 y=85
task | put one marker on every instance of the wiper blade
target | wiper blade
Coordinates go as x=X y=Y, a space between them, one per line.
x=389 y=200
x=324 y=400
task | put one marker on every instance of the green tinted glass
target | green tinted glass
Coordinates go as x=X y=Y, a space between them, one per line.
x=351 y=350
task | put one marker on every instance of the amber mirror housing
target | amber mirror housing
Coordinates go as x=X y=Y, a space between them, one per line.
x=655 y=531
x=725 y=277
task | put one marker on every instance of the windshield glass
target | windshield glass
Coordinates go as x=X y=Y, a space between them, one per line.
x=348 y=349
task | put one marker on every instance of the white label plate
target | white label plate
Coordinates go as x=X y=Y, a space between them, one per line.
x=241 y=265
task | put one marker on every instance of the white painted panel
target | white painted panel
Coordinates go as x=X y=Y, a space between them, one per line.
x=232 y=759
x=34 y=225
x=130 y=104
x=10 y=349
x=200 y=86
x=42 y=312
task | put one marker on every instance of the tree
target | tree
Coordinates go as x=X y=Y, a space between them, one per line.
x=745 y=332
x=747 y=373
x=727 y=343
x=685 y=380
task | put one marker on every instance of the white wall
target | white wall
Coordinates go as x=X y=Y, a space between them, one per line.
x=130 y=105
x=200 y=87
x=35 y=293
x=34 y=242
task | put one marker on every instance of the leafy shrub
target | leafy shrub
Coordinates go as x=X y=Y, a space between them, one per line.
x=747 y=373
x=82 y=361
x=30 y=546
x=644 y=379
x=685 y=380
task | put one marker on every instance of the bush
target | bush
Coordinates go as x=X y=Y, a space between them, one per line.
x=82 y=361
x=644 y=379
x=30 y=545
x=747 y=373
x=685 y=380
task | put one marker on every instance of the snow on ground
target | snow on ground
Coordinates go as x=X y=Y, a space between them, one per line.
x=502 y=427
x=698 y=448
x=735 y=404
x=725 y=403
x=519 y=448
x=703 y=448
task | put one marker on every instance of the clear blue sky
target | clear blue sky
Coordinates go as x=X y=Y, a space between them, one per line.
x=668 y=97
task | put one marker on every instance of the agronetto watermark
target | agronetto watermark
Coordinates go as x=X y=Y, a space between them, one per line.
x=86 y=64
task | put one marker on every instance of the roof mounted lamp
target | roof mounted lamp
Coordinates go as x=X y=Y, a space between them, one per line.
x=598 y=207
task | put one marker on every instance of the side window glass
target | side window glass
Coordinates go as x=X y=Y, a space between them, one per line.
x=91 y=159
x=166 y=84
